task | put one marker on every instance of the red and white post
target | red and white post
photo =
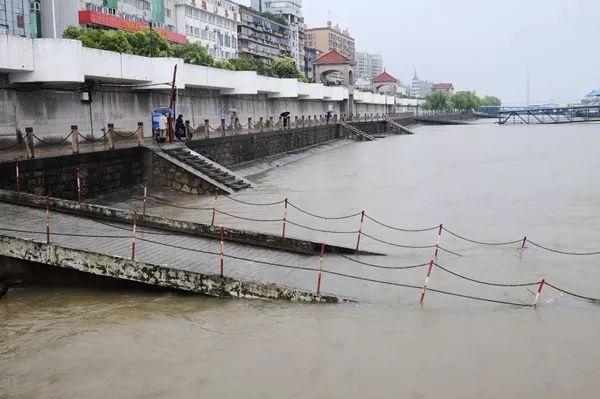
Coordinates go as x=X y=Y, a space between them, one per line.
x=133 y=232
x=362 y=221
x=285 y=209
x=145 y=202
x=47 y=221
x=431 y=264
x=214 y=209
x=320 y=269
x=222 y=252
x=17 y=176
x=539 y=291
x=437 y=243
x=78 y=179
x=523 y=247
x=429 y=270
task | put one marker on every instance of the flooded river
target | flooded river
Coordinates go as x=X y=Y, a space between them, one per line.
x=488 y=182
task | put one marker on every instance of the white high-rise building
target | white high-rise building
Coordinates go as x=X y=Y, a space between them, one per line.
x=291 y=10
x=214 y=23
x=368 y=66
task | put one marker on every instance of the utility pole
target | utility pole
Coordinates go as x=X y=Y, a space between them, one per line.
x=528 y=97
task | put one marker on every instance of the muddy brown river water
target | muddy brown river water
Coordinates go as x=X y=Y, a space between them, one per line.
x=495 y=183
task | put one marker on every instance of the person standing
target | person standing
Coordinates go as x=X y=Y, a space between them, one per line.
x=179 y=127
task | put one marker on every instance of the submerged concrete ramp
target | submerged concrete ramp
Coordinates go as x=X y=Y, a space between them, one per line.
x=148 y=273
x=161 y=258
x=359 y=133
x=399 y=127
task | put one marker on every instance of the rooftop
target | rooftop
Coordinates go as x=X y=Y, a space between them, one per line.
x=385 y=78
x=332 y=57
x=443 y=86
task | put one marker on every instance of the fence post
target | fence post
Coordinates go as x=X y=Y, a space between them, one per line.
x=271 y=123
x=316 y=120
x=362 y=220
x=133 y=231
x=75 y=139
x=29 y=144
x=145 y=202
x=285 y=208
x=222 y=252
x=250 y=125
x=303 y=121
x=280 y=125
x=335 y=118
x=320 y=269
x=206 y=129
x=78 y=181
x=47 y=220
x=539 y=291
x=523 y=246
x=309 y=121
x=223 y=126
x=17 y=176
x=214 y=209
x=109 y=134
x=236 y=125
x=261 y=124
x=296 y=121
x=140 y=134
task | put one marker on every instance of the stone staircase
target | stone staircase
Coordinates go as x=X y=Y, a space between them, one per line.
x=357 y=132
x=209 y=168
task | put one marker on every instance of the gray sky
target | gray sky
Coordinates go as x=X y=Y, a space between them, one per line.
x=486 y=46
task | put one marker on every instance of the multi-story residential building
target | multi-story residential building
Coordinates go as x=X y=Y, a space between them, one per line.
x=261 y=37
x=368 y=66
x=291 y=11
x=446 y=89
x=130 y=15
x=20 y=18
x=310 y=56
x=420 y=88
x=214 y=23
x=331 y=38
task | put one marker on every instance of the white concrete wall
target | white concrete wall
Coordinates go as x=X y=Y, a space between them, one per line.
x=61 y=60
x=16 y=54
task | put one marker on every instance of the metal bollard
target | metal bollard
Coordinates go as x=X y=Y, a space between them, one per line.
x=29 y=142
x=249 y=125
x=75 y=139
x=206 y=129
x=109 y=135
x=261 y=124
x=140 y=134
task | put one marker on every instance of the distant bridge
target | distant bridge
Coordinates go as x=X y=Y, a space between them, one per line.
x=550 y=115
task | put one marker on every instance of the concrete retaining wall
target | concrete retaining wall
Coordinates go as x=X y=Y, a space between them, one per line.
x=234 y=150
x=52 y=112
x=100 y=172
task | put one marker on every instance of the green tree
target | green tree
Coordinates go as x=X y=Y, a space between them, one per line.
x=223 y=64
x=249 y=64
x=193 y=53
x=491 y=100
x=466 y=100
x=149 y=43
x=436 y=101
x=285 y=68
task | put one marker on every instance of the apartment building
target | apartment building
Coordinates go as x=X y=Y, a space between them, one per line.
x=291 y=11
x=130 y=15
x=262 y=37
x=214 y=23
x=331 y=38
x=20 y=18
x=368 y=66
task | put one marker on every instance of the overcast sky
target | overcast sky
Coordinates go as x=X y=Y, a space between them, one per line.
x=486 y=46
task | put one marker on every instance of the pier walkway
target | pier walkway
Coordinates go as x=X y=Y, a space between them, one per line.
x=550 y=115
